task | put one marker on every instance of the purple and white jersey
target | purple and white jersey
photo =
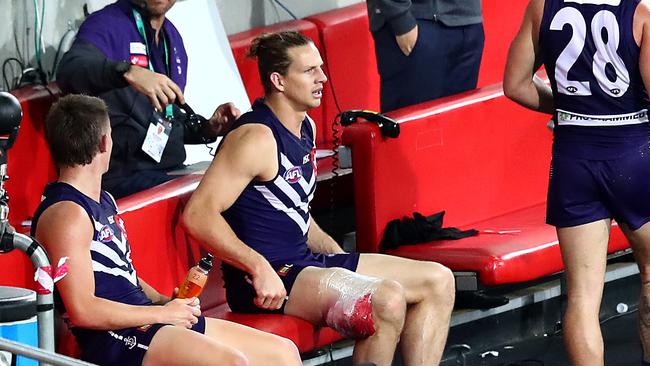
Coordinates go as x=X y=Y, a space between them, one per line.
x=115 y=277
x=273 y=217
x=592 y=60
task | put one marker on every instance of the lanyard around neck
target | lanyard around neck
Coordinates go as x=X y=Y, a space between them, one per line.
x=140 y=24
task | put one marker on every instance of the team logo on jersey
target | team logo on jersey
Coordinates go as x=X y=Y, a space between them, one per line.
x=293 y=175
x=305 y=159
x=284 y=270
x=106 y=234
x=130 y=342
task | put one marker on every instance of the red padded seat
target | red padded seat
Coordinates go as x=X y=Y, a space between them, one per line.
x=504 y=258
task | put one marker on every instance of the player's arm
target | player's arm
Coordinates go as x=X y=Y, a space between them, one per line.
x=642 y=36
x=153 y=294
x=65 y=231
x=320 y=242
x=519 y=82
x=247 y=153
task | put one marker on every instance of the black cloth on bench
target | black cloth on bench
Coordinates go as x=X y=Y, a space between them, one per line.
x=420 y=229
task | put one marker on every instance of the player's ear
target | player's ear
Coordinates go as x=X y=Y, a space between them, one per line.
x=277 y=80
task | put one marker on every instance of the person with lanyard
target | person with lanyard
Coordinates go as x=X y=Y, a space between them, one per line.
x=131 y=56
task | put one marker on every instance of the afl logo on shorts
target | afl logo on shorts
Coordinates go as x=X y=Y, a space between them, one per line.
x=106 y=234
x=293 y=175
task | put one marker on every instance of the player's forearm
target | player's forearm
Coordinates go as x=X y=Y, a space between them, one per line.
x=531 y=94
x=156 y=297
x=214 y=232
x=319 y=242
x=545 y=103
x=102 y=314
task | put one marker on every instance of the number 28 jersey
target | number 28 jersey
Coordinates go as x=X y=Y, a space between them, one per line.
x=592 y=60
x=591 y=57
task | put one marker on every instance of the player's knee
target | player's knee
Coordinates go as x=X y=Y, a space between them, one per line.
x=389 y=303
x=644 y=273
x=234 y=358
x=284 y=352
x=438 y=282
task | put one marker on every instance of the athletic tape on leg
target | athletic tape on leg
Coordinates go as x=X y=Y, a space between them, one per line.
x=350 y=311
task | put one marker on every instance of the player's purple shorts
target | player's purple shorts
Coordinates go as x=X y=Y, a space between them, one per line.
x=582 y=191
x=124 y=347
x=240 y=294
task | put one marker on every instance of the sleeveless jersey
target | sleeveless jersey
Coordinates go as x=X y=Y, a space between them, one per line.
x=592 y=60
x=273 y=217
x=115 y=277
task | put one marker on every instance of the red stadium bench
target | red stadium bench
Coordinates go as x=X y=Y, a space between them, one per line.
x=479 y=157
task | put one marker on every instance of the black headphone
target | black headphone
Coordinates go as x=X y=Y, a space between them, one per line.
x=11 y=113
x=388 y=126
x=196 y=123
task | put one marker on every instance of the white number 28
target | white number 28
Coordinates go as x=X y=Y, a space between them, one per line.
x=605 y=53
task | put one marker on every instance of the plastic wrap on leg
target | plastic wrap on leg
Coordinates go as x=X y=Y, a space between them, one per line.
x=350 y=296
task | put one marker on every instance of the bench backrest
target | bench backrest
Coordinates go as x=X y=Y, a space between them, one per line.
x=161 y=250
x=476 y=156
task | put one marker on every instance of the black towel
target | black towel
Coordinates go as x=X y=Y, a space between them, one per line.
x=420 y=229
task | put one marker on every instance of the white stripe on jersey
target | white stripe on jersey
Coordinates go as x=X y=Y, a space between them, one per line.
x=131 y=277
x=291 y=193
x=278 y=205
x=103 y=249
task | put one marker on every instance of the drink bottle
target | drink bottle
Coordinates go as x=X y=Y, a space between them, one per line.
x=196 y=278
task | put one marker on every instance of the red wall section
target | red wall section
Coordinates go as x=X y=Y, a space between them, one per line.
x=501 y=20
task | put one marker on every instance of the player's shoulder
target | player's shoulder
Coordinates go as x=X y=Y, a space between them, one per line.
x=256 y=138
x=643 y=10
